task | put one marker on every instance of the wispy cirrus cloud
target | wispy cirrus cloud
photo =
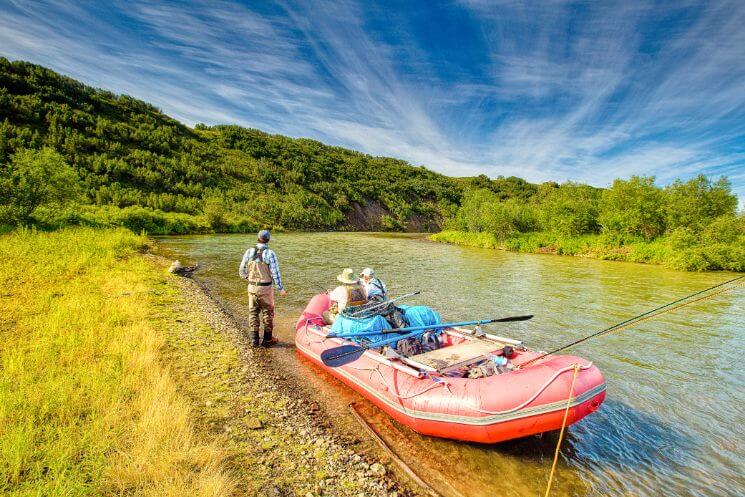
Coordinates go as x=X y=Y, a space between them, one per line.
x=558 y=90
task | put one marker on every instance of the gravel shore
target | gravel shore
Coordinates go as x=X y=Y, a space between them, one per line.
x=278 y=442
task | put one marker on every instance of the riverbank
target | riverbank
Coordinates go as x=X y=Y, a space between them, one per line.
x=118 y=378
x=672 y=252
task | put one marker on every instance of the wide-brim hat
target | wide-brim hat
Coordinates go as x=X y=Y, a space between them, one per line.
x=348 y=277
x=367 y=272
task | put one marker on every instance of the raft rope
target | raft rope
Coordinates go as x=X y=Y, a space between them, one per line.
x=646 y=316
x=576 y=367
x=307 y=335
x=388 y=388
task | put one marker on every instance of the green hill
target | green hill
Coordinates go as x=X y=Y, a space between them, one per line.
x=141 y=167
x=72 y=154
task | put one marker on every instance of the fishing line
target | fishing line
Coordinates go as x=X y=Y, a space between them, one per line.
x=646 y=316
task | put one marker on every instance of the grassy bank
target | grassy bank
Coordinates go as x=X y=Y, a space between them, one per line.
x=117 y=378
x=86 y=405
x=676 y=252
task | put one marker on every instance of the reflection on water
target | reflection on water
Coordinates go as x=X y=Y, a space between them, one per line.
x=673 y=420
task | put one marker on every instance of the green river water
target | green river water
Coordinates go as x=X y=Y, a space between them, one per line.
x=673 y=423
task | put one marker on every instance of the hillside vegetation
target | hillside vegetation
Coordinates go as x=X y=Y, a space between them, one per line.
x=140 y=168
x=71 y=154
x=690 y=225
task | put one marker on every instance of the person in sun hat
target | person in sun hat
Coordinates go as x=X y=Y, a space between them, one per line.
x=374 y=287
x=349 y=293
x=260 y=268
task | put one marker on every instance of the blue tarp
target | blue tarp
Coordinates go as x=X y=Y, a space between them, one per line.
x=345 y=325
x=420 y=315
x=417 y=315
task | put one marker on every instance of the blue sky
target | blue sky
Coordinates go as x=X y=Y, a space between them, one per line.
x=546 y=90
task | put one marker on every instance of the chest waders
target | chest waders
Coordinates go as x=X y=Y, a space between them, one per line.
x=260 y=297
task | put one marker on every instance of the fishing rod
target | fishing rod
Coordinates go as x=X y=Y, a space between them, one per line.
x=510 y=319
x=381 y=304
x=642 y=317
x=339 y=356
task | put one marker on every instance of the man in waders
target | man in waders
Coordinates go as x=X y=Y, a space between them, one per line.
x=261 y=268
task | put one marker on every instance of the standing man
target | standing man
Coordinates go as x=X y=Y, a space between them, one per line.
x=261 y=268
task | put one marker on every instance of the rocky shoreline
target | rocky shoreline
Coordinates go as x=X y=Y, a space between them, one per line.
x=279 y=442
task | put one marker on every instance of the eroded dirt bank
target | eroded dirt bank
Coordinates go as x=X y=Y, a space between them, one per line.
x=279 y=442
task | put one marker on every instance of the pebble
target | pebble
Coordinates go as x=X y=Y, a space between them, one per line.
x=254 y=424
x=378 y=469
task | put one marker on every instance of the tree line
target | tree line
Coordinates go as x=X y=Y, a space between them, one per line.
x=690 y=225
x=72 y=154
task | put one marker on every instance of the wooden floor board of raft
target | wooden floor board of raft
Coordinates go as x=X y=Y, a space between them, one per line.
x=454 y=355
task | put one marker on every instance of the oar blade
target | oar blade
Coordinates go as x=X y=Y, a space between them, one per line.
x=513 y=318
x=339 y=356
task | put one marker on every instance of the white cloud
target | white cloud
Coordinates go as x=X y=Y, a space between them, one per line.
x=586 y=91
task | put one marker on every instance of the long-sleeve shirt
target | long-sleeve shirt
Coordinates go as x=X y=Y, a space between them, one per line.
x=375 y=287
x=269 y=257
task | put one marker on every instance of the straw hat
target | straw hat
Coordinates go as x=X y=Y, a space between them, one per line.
x=347 y=277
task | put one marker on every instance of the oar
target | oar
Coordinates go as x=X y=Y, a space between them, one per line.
x=339 y=356
x=381 y=304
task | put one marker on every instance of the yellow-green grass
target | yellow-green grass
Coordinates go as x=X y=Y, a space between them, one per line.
x=86 y=405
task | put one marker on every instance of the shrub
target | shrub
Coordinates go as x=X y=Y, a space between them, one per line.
x=570 y=209
x=697 y=202
x=33 y=179
x=633 y=207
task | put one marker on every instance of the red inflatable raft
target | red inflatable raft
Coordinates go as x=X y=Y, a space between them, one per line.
x=490 y=409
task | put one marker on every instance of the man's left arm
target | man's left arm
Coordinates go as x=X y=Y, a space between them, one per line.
x=274 y=268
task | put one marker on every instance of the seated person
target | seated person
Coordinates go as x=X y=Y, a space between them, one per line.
x=375 y=288
x=349 y=293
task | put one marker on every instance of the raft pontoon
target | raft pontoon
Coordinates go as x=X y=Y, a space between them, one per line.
x=422 y=393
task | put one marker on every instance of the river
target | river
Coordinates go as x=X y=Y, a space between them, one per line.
x=672 y=423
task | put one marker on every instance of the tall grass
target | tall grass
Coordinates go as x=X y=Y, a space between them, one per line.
x=86 y=407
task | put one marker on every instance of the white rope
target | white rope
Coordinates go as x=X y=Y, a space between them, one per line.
x=533 y=397
x=307 y=336
x=376 y=369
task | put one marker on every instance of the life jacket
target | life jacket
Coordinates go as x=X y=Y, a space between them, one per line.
x=356 y=295
x=259 y=273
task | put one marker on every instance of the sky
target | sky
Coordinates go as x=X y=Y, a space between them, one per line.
x=548 y=90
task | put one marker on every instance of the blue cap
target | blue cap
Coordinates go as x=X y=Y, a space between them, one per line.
x=264 y=236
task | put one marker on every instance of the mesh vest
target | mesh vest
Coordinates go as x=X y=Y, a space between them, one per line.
x=258 y=270
x=356 y=295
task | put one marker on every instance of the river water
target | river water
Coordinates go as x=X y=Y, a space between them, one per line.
x=673 y=423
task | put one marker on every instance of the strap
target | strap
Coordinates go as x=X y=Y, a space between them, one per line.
x=378 y=284
x=258 y=254
x=260 y=283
